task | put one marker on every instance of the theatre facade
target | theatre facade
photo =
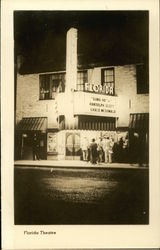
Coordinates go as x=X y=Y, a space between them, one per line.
x=65 y=107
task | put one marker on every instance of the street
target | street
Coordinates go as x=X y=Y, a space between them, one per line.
x=44 y=196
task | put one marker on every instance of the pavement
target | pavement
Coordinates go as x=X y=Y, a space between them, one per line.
x=75 y=164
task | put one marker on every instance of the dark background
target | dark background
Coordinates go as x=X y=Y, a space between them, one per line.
x=104 y=37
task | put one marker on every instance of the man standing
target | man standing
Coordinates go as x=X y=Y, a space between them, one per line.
x=106 y=149
x=111 y=150
x=93 y=152
x=35 y=148
x=85 y=149
x=100 y=151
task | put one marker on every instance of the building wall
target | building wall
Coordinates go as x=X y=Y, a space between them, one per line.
x=126 y=89
x=29 y=105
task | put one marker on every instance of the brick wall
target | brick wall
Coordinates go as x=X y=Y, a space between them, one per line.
x=128 y=101
x=126 y=90
x=29 y=105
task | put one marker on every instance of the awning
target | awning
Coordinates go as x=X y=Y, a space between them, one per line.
x=33 y=124
x=139 y=121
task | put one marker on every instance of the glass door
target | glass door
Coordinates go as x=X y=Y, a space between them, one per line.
x=73 y=150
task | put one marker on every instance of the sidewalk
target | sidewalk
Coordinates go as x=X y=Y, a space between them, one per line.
x=75 y=164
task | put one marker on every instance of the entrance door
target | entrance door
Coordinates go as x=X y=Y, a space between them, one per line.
x=27 y=146
x=73 y=150
x=26 y=150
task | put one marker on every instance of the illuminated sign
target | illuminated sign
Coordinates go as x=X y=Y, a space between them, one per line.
x=94 y=104
x=107 y=88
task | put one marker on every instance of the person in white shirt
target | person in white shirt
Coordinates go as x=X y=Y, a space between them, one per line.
x=111 y=150
x=106 y=149
x=84 y=147
x=100 y=151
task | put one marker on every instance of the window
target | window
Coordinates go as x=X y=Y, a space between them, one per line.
x=51 y=84
x=52 y=143
x=108 y=80
x=82 y=78
x=142 y=79
x=61 y=122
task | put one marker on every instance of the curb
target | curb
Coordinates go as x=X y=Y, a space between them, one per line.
x=35 y=166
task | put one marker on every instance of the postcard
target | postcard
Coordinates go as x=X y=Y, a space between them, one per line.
x=80 y=124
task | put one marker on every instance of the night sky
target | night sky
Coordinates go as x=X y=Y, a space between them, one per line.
x=104 y=38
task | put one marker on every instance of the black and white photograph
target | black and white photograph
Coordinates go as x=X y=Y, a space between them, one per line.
x=80 y=101
x=81 y=117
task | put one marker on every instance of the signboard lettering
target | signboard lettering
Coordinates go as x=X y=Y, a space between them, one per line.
x=107 y=88
x=93 y=104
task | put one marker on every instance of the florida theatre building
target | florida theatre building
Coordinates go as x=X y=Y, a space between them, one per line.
x=64 y=107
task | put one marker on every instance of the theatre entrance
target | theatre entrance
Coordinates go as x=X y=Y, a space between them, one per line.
x=73 y=150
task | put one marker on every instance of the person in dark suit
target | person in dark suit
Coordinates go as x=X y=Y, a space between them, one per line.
x=35 y=148
x=93 y=152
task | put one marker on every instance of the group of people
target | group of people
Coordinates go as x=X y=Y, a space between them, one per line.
x=98 y=152
x=105 y=150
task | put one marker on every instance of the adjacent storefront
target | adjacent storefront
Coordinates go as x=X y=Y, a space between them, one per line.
x=27 y=129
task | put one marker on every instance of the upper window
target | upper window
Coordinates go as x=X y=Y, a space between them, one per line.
x=108 y=80
x=82 y=78
x=142 y=79
x=51 y=84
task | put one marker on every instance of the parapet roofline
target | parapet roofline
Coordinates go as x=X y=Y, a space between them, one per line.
x=80 y=67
